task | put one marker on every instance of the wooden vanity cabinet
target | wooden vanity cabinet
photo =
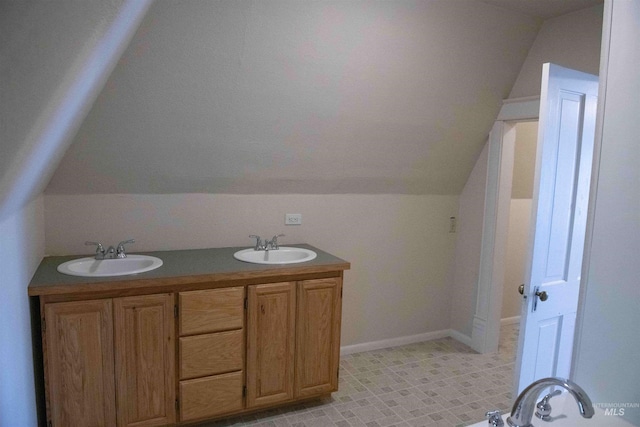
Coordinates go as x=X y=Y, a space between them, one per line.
x=186 y=352
x=111 y=361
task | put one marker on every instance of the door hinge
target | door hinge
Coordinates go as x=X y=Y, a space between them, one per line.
x=175 y=311
x=244 y=391
x=44 y=327
x=246 y=303
x=177 y=405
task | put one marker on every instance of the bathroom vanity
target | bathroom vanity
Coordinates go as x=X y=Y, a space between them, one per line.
x=202 y=337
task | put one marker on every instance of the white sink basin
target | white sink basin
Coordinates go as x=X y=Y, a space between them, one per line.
x=284 y=255
x=91 y=267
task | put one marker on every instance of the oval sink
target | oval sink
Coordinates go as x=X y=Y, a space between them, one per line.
x=284 y=255
x=91 y=267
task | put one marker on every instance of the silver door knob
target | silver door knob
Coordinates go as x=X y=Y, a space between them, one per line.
x=521 y=289
x=542 y=295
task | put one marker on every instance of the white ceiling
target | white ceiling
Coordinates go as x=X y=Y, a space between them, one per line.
x=300 y=97
x=544 y=9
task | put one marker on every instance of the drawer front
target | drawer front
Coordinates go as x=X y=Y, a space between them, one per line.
x=210 y=354
x=210 y=396
x=211 y=310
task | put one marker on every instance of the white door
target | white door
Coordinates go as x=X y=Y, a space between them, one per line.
x=561 y=189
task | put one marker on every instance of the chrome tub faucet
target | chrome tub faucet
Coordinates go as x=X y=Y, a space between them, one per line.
x=525 y=404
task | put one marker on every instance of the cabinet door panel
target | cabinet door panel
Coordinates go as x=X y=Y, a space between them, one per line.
x=145 y=353
x=79 y=357
x=270 y=343
x=318 y=336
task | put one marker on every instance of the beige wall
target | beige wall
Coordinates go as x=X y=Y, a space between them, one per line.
x=21 y=250
x=399 y=246
x=519 y=216
x=572 y=40
x=468 y=245
x=524 y=160
x=516 y=256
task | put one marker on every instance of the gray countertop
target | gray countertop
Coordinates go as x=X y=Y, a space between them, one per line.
x=193 y=264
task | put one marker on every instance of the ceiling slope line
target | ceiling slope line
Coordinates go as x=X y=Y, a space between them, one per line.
x=53 y=130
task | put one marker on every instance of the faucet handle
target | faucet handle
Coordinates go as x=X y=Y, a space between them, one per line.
x=494 y=418
x=98 y=244
x=274 y=241
x=258 y=241
x=543 y=408
x=120 y=253
x=99 y=249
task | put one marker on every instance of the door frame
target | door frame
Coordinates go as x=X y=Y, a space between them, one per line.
x=485 y=332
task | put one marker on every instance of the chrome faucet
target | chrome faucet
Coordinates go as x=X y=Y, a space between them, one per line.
x=110 y=252
x=525 y=403
x=267 y=244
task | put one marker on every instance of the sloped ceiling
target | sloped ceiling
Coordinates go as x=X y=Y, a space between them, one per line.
x=544 y=9
x=54 y=59
x=300 y=97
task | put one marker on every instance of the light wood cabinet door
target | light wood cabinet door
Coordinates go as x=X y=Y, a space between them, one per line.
x=270 y=343
x=79 y=363
x=145 y=360
x=318 y=336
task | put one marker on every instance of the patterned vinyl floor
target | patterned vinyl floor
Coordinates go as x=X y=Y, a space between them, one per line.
x=439 y=383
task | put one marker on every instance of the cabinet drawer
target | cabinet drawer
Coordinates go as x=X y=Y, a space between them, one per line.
x=211 y=354
x=210 y=396
x=211 y=310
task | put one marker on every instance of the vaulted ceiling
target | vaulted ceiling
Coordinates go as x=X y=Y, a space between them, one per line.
x=300 y=97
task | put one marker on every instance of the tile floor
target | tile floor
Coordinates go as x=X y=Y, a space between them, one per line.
x=439 y=383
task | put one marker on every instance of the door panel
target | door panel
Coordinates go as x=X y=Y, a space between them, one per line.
x=145 y=353
x=270 y=343
x=318 y=336
x=561 y=190
x=79 y=363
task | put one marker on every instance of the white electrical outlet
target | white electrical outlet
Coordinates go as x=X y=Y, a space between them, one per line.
x=292 y=219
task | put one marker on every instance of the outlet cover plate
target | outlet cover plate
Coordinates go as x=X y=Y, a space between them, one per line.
x=292 y=219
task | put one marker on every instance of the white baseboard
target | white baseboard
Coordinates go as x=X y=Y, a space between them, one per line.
x=410 y=339
x=392 y=342
x=459 y=336
x=509 y=320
